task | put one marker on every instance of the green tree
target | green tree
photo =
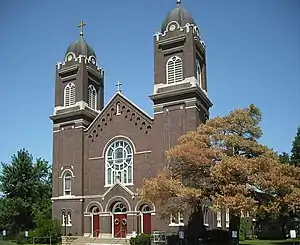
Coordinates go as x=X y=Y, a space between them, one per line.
x=284 y=158
x=295 y=157
x=26 y=186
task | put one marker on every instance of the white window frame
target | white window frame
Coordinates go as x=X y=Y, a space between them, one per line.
x=199 y=74
x=118 y=109
x=177 y=220
x=205 y=216
x=219 y=219
x=174 y=70
x=227 y=218
x=68 y=216
x=245 y=214
x=92 y=97
x=69 y=95
x=68 y=176
x=110 y=163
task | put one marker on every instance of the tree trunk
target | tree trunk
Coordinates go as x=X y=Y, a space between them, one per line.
x=234 y=228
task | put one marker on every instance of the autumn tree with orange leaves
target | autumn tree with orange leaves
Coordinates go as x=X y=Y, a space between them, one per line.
x=224 y=163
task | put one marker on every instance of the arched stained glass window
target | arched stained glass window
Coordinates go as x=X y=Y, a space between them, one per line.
x=119 y=163
x=119 y=207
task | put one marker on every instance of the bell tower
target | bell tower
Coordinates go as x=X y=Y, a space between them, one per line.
x=180 y=95
x=79 y=86
x=79 y=98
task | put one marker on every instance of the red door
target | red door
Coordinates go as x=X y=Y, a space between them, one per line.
x=96 y=225
x=120 y=225
x=147 y=223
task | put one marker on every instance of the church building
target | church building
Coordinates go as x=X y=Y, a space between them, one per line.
x=103 y=152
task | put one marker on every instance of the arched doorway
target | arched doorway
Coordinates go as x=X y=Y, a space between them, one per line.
x=95 y=221
x=146 y=219
x=120 y=220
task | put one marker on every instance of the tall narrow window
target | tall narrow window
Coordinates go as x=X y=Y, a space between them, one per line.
x=63 y=218
x=205 y=216
x=199 y=74
x=219 y=219
x=227 y=220
x=69 y=94
x=69 y=220
x=92 y=97
x=66 y=218
x=119 y=163
x=174 y=70
x=118 y=109
x=67 y=184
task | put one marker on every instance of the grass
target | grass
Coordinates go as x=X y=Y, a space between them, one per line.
x=271 y=242
x=14 y=243
x=7 y=243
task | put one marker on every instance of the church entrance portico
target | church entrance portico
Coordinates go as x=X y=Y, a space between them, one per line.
x=119 y=216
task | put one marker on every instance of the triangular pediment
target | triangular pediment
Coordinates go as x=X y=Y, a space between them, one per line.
x=121 y=106
x=117 y=188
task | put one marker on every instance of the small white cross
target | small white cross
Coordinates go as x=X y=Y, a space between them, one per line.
x=118 y=86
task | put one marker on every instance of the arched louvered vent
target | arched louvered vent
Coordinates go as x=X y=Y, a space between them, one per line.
x=174 y=70
x=92 y=97
x=69 y=94
x=199 y=74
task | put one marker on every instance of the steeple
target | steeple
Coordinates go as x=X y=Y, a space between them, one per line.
x=79 y=85
x=80 y=46
x=180 y=68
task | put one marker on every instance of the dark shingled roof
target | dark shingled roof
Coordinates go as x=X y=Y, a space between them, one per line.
x=81 y=47
x=178 y=14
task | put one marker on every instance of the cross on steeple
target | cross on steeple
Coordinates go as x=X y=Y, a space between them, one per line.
x=178 y=2
x=118 y=86
x=81 y=25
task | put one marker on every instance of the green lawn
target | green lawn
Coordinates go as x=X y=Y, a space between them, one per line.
x=265 y=242
x=7 y=243
x=14 y=243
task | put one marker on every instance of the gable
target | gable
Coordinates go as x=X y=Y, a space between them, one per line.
x=127 y=109
x=116 y=189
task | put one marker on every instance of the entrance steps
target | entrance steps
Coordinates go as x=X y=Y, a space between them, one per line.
x=100 y=241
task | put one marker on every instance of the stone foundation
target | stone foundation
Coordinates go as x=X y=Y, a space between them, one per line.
x=67 y=240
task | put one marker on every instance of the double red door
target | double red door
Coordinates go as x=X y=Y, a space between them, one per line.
x=96 y=225
x=120 y=225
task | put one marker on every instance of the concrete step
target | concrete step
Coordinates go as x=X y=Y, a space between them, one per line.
x=101 y=241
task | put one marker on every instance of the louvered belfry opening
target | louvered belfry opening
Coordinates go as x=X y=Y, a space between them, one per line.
x=174 y=70
x=69 y=96
x=199 y=78
x=92 y=97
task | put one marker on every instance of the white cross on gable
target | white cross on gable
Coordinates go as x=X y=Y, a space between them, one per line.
x=118 y=86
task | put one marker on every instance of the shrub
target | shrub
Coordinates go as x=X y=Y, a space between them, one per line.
x=48 y=228
x=245 y=229
x=141 y=239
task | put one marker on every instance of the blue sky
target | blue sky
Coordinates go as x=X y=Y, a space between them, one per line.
x=253 y=56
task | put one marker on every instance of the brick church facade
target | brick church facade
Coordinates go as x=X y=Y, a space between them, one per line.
x=102 y=153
